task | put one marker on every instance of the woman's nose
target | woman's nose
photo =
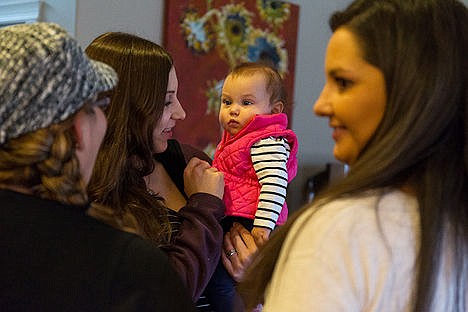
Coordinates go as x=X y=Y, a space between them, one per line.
x=178 y=112
x=322 y=106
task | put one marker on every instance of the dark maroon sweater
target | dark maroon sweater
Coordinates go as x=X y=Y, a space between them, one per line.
x=196 y=247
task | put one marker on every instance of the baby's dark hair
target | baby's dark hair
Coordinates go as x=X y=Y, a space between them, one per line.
x=274 y=82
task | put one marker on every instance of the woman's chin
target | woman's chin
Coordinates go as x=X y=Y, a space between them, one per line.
x=342 y=157
x=160 y=146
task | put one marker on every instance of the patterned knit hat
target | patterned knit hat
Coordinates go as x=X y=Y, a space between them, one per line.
x=45 y=77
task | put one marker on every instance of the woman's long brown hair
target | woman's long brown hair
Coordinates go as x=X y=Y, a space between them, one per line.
x=126 y=155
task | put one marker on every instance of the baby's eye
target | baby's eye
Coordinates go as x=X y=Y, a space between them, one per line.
x=226 y=102
x=247 y=102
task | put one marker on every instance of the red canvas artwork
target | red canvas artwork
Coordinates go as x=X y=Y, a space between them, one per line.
x=207 y=38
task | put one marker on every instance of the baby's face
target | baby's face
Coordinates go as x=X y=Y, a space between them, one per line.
x=242 y=98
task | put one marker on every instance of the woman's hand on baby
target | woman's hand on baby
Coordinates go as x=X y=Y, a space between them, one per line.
x=239 y=247
x=201 y=177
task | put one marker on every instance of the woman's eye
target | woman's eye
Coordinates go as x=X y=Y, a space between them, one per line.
x=167 y=100
x=342 y=83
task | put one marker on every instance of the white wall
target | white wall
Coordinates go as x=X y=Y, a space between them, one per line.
x=141 y=17
x=62 y=12
x=314 y=135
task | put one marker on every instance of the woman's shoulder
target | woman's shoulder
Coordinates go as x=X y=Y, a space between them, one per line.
x=379 y=201
x=360 y=250
x=377 y=216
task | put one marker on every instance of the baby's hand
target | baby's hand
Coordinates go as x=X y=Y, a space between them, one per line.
x=260 y=235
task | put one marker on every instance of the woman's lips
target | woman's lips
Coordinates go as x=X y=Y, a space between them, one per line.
x=338 y=132
x=167 y=132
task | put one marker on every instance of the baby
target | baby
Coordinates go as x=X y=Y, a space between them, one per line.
x=257 y=155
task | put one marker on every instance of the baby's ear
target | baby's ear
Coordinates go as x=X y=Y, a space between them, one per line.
x=277 y=107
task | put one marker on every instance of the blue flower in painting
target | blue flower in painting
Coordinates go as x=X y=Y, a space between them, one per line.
x=198 y=30
x=262 y=51
x=234 y=28
x=198 y=34
x=267 y=48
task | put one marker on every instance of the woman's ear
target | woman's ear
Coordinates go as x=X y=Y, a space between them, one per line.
x=277 y=107
x=77 y=127
x=90 y=128
x=81 y=131
x=82 y=134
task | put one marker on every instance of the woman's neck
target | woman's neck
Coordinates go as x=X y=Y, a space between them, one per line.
x=160 y=182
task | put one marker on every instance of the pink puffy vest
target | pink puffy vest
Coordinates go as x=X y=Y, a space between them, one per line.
x=232 y=157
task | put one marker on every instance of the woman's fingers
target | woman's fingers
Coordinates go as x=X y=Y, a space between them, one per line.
x=239 y=247
x=200 y=177
x=231 y=258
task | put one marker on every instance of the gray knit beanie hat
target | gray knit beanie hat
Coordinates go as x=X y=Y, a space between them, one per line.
x=45 y=77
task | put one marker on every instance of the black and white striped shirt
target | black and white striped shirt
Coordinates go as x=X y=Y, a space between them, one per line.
x=269 y=158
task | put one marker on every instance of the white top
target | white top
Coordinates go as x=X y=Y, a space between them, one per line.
x=352 y=255
x=269 y=158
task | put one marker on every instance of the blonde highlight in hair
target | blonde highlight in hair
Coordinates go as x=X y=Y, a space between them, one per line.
x=44 y=162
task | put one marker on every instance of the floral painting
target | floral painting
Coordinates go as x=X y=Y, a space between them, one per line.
x=207 y=38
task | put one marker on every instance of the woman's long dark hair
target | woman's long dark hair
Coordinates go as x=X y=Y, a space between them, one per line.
x=126 y=154
x=421 y=48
